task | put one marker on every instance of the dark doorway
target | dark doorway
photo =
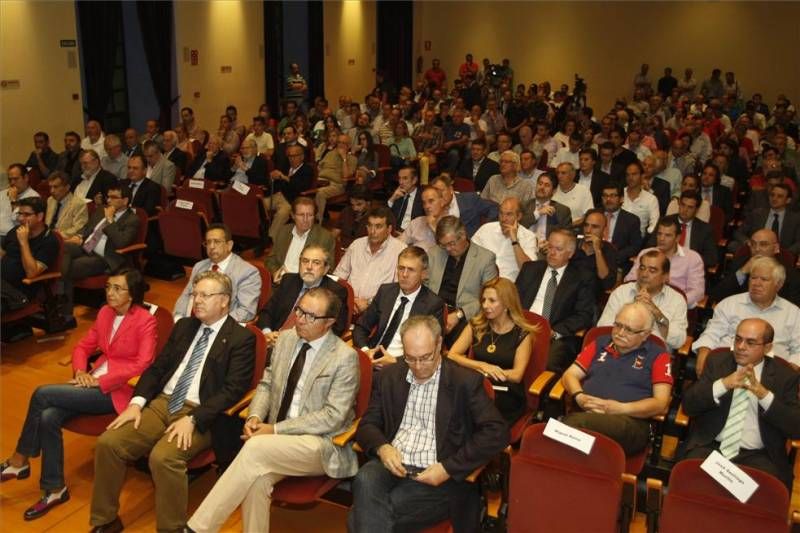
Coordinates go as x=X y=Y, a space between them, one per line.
x=395 y=31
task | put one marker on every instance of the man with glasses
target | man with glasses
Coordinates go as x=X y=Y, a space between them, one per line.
x=66 y=213
x=429 y=424
x=18 y=188
x=245 y=279
x=278 y=315
x=291 y=239
x=287 y=185
x=508 y=183
x=305 y=398
x=622 y=227
x=620 y=381
x=94 y=181
x=744 y=378
x=205 y=367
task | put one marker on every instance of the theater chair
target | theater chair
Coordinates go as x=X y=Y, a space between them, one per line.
x=183 y=232
x=463 y=185
x=266 y=287
x=696 y=503
x=557 y=488
x=203 y=200
x=244 y=215
x=379 y=183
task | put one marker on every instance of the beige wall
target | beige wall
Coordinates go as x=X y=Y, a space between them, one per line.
x=43 y=100
x=225 y=33
x=607 y=42
x=349 y=29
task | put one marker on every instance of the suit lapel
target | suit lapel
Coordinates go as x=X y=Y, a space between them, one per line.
x=444 y=406
x=390 y=297
x=219 y=347
x=126 y=324
x=466 y=272
x=320 y=362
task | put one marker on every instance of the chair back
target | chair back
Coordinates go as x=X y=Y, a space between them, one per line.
x=539 y=353
x=164 y=323
x=594 y=480
x=384 y=155
x=365 y=383
x=599 y=331
x=695 y=503
x=266 y=285
x=243 y=213
x=182 y=232
x=351 y=301
x=260 y=362
x=202 y=200
x=717 y=222
x=463 y=185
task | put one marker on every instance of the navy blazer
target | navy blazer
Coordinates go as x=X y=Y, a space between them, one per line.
x=486 y=170
x=472 y=208
x=283 y=298
x=416 y=208
x=626 y=238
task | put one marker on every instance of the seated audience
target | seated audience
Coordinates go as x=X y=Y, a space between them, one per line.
x=247 y=166
x=287 y=186
x=743 y=377
x=478 y=168
x=280 y=156
x=508 y=183
x=651 y=288
x=125 y=333
x=68 y=160
x=590 y=176
x=159 y=169
x=639 y=201
x=467 y=206
x=455 y=136
x=571 y=194
x=212 y=163
x=18 y=189
x=335 y=167
x=174 y=153
x=504 y=142
x=715 y=193
x=497 y=342
x=690 y=183
x=778 y=218
x=263 y=139
x=428 y=136
x=352 y=221
x=377 y=330
x=132 y=144
x=115 y=161
x=422 y=230
x=570 y=153
x=694 y=233
x=406 y=201
x=542 y=214
x=291 y=239
x=370 y=261
x=670 y=175
x=95 y=139
x=42 y=158
x=244 y=277
x=528 y=166
x=595 y=254
x=93 y=183
x=658 y=187
x=510 y=242
x=66 y=213
x=605 y=382
x=171 y=415
x=421 y=455
x=145 y=193
x=151 y=134
x=561 y=292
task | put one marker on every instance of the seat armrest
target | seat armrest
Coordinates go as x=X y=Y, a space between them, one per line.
x=346 y=436
x=681 y=418
x=655 y=490
x=41 y=277
x=241 y=404
x=134 y=381
x=686 y=347
x=132 y=248
x=473 y=477
x=541 y=382
x=557 y=392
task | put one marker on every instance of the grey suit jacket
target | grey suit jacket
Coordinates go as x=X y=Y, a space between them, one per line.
x=327 y=401
x=479 y=267
x=71 y=219
x=164 y=173
x=246 y=283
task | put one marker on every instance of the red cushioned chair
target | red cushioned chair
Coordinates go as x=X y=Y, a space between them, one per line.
x=266 y=286
x=463 y=185
x=557 y=488
x=203 y=200
x=183 y=232
x=244 y=213
x=697 y=503
x=378 y=183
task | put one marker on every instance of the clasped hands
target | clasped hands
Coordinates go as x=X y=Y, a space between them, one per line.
x=390 y=456
x=745 y=378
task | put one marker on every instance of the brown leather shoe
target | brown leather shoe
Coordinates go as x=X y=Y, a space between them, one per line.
x=115 y=526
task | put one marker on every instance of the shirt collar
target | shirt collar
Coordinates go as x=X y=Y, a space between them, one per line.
x=216 y=326
x=224 y=263
x=412 y=296
x=296 y=234
x=316 y=344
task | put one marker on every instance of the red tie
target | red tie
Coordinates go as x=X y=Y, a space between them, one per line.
x=607 y=229
x=682 y=240
x=215 y=268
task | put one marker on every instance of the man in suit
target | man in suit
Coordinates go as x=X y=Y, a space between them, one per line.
x=693 y=232
x=457 y=271
x=621 y=157
x=145 y=193
x=542 y=214
x=245 y=278
x=659 y=187
x=291 y=239
x=763 y=243
x=406 y=201
x=468 y=206
x=94 y=251
x=478 y=168
x=778 y=218
x=66 y=213
x=713 y=192
x=159 y=169
x=287 y=185
x=93 y=182
x=175 y=155
x=247 y=166
x=205 y=367
x=764 y=387
x=304 y=399
x=429 y=424
x=590 y=175
x=377 y=330
x=278 y=314
x=281 y=155
x=563 y=293
x=622 y=227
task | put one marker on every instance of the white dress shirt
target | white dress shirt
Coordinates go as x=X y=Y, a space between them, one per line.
x=395 y=347
x=311 y=354
x=292 y=261
x=645 y=206
x=100 y=247
x=578 y=199
x=408 y=199
x=491 y=237
x=751 y=436
x=538 y=302
x=83 y=187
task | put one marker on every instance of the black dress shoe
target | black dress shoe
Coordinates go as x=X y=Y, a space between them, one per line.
x=47 y=502
x=115 y=526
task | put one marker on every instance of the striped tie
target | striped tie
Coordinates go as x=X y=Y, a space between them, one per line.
x=731 y=434
x=549 y=294
x=185 y=381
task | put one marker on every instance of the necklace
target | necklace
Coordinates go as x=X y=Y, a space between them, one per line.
x=491 y=348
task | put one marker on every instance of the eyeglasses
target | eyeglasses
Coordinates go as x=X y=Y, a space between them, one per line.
x=213 y=242
x=627 y=329
x=308 y=317
x=451 y=244
x=203 y=295
x=115 y=288
x=425 y=360
x=750 y=343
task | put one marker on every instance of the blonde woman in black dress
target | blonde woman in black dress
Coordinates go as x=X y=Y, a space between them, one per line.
x=501 y=342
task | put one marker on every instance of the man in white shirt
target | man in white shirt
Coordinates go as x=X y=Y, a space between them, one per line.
x=573 y=195
x=115 y=161
x=570 y=153
x=639 y=201
x=263 y=138
x=635 y=145
x=19 y=188
x=528 y=166
x=95 y=139
x=512 y=243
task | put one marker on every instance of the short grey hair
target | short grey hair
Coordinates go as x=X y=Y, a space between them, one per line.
x=427 y=321
x=778 y=271
x=448 y=225
x=640 y=308
x=222 y=279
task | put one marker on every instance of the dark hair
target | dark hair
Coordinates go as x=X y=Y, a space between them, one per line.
x=653 y=254
x=480 y=142
x=334 y=303
x=595 y=211
x=360 y=192
x=383 y=212
x=692 y=195
x=73 y=134
x=613 y=185
x=19 y=166
x=34 y=202
x=669 y=221
x=411 y=168
x=57 y=175
x=608 y=145
x=42 y=134
x=220 y=226
x=784 y=187
x=124 y=191
x=637 y=164
x=577 y=137
x=590 y=152
x=189 y=109
x=259 y=119
x=548 y=175
x=150 y=145
x=233 y=107
x=136 y=284
x=140 y=157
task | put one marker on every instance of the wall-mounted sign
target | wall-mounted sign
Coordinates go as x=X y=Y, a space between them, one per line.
x=68 y=43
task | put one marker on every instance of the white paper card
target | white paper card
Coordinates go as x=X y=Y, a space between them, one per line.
x=197 y=184
x=734 y=479
x=501 y=388
x=570 y=436
x=241 y=187
x=184 y=204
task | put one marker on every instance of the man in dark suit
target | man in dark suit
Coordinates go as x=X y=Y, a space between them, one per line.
x=590 y=175
x=563 y=293
x=145 y=193
x=417 y=477
x=622 y=227
x=713 y=192
x=305 y=229
x=205 y=368
x=94 y=181
x=542 y=214
x=778 y=218
x=280 y=157
x=178 y=157
x=659 y=187
x=286 y=186
x=765 y=388
x=277 y=315
x=248 y=166
x=377 y=330
x=622 y=157
x=694 y=233
x=468 y=206
x=478 y=167
x=406 y=201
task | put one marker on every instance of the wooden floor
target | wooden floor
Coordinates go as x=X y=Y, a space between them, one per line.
x=40 y=360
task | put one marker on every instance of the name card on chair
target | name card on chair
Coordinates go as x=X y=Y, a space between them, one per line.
x=734 y=479
x=574 y=438
x=197 y=184
x=184 y=204
x=241 y=187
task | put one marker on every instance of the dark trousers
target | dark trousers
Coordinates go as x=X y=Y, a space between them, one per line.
x=49 y=407
x=562 y=353
x=753 y=458
x=77 y=264
x=384 y=502
x=631 y=433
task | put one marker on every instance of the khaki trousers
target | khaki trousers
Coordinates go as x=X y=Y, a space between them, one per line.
x=283 y=211
x=117 y=447
x=263 y=461
x=329 y=191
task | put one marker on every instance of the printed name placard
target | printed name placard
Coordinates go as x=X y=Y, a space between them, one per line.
x=734 y=479
x=570 y=436
x=241 y=187
x=501 y=388
x=184 y=204
x=197 y=184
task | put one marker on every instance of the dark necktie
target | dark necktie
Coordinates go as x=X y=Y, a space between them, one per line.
x=391 y=328
x=185 y=381
x=776 y=225
x=402 y=213
x=549 y=294
x=291 y=382
x=55 y=215
x=134 y=188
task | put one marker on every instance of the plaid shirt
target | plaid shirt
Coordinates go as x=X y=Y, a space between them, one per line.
x=416 y=437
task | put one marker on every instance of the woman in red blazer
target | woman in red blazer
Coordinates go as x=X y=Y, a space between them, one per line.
x=125 y=332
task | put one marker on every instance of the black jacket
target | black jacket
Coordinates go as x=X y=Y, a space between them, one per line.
x=101 y=184
x=283 y=298
x=486 y=170
x=626 y=237
x=148 y=195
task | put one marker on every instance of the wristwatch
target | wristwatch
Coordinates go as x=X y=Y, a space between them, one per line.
x=192 y=420
x=514 y=243
x=459 y=314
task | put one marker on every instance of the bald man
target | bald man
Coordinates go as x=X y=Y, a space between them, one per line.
x=512 y=243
